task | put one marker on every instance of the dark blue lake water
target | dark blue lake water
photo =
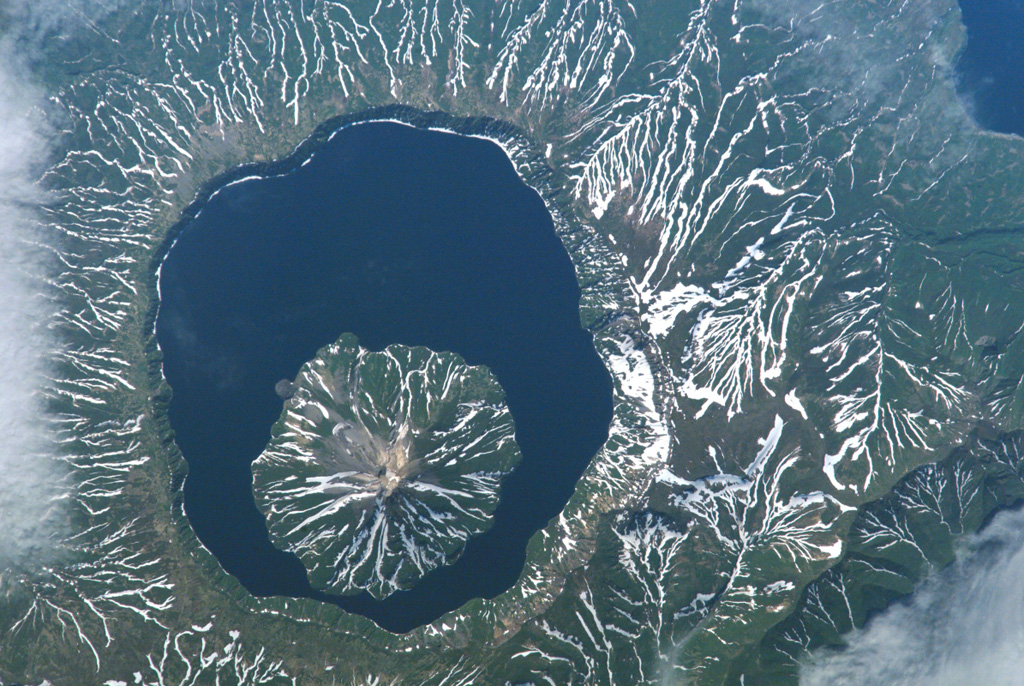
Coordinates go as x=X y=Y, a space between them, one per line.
x=398 y=235
x=990 y=71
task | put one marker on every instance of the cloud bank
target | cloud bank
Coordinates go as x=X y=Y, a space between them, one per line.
x=965 y=625
x=28 y=472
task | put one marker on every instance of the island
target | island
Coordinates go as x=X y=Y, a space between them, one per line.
x=383 y=464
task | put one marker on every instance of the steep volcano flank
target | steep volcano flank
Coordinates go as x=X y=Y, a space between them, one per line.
x=383 y=464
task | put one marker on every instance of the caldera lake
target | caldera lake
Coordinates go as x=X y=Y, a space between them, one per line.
x=398 y=235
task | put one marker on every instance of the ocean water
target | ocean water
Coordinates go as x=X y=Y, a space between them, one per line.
x=990 y=70
x=398 y=235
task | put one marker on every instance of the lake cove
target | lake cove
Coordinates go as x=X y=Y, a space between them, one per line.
x=990 y=65
x=397 y=235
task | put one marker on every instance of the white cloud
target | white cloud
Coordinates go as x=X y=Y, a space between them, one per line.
x=963 y=626
x=27 y=469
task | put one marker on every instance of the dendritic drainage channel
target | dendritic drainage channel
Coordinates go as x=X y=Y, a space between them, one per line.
x=399 y=236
